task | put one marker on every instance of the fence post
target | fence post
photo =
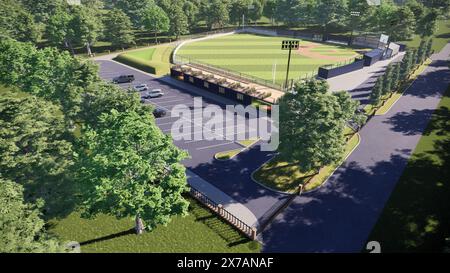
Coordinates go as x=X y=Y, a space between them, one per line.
x=253 y=233
x=220 y=209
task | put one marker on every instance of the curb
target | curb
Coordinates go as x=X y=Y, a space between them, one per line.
x=331 y=174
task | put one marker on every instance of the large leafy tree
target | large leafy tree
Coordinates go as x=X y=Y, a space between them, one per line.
x=256 y=11
x=57 y=28
x=85 y=27
x=269 y=10
x=178 y=21
x=426 y=26
x=128 y=167
x=42 y=9
x=134 y=9
x=312 y=123
x=239 y=8
x=156 y=20
x=218 y=14
x=22 y=229
x=403 y=25
x=287 y=11
x=191 y=9
x=330 y=11
x=118 y=28
x=33 y=146
x=47 y=73
x=16 y=22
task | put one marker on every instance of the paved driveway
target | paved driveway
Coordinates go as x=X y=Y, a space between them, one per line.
x=233 y=177
x=340 y=216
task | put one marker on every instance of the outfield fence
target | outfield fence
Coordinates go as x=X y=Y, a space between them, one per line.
x=247 y=230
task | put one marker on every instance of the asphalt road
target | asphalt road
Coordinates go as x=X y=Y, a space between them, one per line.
x=340 y=216
x=233 y=177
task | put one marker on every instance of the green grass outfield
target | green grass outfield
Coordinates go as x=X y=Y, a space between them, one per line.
x=417 y=215
x=256 y=55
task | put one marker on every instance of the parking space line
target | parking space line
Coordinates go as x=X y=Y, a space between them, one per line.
x=213 y=146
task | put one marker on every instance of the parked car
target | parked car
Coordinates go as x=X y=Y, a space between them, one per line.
x=154 y=93
x=123 y=79
x=140 y=87
x=159 y=112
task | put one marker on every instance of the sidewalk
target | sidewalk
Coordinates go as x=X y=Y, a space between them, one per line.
x=353 y=80
x=228 y=203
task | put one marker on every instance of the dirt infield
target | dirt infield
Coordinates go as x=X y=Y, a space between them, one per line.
x=307 y=50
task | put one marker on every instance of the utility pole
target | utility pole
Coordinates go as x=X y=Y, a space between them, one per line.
x=289 y=45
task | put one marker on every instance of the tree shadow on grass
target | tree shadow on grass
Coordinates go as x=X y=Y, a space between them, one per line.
x=219 y=226
x=109 y=237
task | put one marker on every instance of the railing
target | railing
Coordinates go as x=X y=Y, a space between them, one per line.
x=247 y=230
x=239 y=76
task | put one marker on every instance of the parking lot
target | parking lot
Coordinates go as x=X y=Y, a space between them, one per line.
x=201 y=151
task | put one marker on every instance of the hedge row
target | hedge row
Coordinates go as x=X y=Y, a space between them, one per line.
x=153 y=67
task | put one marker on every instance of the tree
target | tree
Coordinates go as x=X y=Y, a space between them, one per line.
x=421 y=51
x=387 y=80
x=270 y=10
x=312 y=123
x=118 y=28
x=377 y=90
x=155 y=19
x=128 y=167
x=57 y=28
x=85 y=27
x=256 y=11
x=429 y=48
x=17 y=23
x=218 y=14
x=239 y=8
x=402 y=25
x=191 y=10
x=427 y=24
x=406 y=65
x=296 y=12
x=178 y=21
x=396 y=76
x=42 y=9
x=330 y=11
x=134 y=9
x=22 y=228
x=47 y=73
x=33 y=145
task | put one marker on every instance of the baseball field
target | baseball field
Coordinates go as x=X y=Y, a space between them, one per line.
x=262 y=57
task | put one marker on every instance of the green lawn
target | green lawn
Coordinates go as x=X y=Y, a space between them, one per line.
x=155 y=59
x=417 y=215
x=440 y=39
x=257 y=55
x=145 y=54
x=200 y=231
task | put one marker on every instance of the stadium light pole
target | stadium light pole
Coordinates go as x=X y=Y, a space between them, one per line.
x=353 y=14
x=289 y=45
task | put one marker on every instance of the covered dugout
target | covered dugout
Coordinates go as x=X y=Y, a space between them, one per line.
x=373 y=56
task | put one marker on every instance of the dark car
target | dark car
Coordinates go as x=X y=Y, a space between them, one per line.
x=159 y=112
x=123 y=79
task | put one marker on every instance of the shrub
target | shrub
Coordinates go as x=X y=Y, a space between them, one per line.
x=153 y=67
